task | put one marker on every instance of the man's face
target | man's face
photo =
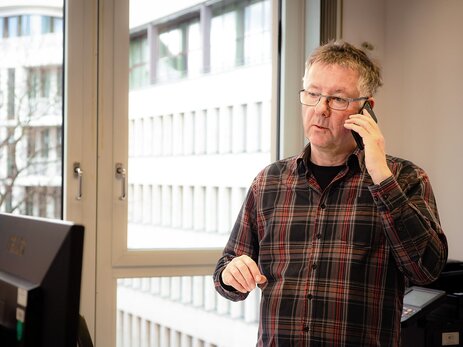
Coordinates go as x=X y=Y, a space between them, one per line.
x=324 y=127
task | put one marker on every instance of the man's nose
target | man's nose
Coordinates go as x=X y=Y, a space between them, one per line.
x=322 y=105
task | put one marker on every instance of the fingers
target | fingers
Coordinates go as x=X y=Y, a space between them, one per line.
x=364 y=119
x=363 y=124
x=261 y=279
x=375 y=148
x=242 y=273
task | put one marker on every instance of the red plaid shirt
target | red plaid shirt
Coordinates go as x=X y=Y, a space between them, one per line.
x=336 y=260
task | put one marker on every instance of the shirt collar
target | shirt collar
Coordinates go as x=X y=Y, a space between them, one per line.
x=355 y=161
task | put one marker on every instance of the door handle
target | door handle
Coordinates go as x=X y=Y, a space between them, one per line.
x=78 y=173
x=122 y=175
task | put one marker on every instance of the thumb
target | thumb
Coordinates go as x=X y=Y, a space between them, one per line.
x=261 y=279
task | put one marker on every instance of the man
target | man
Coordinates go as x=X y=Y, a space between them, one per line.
x=333 y=235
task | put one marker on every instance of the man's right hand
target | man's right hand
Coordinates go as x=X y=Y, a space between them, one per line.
x=243 y=274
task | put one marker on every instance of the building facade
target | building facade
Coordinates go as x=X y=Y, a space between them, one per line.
x=31 y=42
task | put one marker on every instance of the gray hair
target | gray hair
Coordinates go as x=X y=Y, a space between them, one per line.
x=344 y=54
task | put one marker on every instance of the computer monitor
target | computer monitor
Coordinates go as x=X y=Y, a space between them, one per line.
x=40 y=276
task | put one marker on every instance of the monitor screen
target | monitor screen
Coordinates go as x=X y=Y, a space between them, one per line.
x=420 y=297
x=40 y=276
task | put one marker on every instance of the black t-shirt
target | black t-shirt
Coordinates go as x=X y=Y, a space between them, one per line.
x=324 y=174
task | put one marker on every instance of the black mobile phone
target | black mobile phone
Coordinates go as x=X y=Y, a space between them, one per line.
x=357 y=137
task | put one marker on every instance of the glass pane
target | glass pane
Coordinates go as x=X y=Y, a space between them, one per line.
x=31 y=114
x=223 y=41
x=138 y=62
x=183 y=312
x=199 y=132
x=199 y=129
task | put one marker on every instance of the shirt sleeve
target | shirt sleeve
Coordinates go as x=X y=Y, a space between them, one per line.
x=411 y=222
x=243 y=240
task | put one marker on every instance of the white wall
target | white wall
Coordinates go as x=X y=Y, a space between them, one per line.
x=418 y=43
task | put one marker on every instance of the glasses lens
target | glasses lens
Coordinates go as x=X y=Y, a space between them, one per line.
x=308 y=98
x=338 y=103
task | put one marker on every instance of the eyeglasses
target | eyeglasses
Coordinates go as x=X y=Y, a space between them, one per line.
x=334 y=102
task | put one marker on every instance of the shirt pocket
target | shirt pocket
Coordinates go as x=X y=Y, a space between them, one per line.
x=362 y=235
x=363 y=227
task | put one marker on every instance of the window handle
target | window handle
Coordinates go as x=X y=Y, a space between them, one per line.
x=78 y=173
x=121 y=174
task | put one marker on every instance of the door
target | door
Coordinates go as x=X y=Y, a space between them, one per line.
x=188 y=137
x=187 y=116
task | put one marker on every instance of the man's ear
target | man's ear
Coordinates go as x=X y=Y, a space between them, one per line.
x=372 y=102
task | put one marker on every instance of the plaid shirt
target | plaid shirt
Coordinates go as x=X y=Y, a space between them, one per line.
x=336 y=260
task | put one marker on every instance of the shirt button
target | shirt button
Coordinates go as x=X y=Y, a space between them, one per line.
x=322 y=206
x=314 y=266
x=310 y=296
x=306 y=328
x=319 y=235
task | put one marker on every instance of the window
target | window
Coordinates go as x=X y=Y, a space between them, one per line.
x=24 y=25
x=51 y=25
x=31 y=146
x=11 y=155
x=216 y=38
x=138 y=61
x=194 y=146
x=45 y=82
x=11 y=93
x=247 y=26
x=45 y=143
x=224 y=40
x=31 y=112
x=59 y=143
x=257 y=32
x=179 y=50
x=13 y=26
x=34 y=83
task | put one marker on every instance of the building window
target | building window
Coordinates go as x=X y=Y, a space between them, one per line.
x=59 y=142
x=11 y=171
x=42 y=199
x=138 y=61
x=179 y=51
x=12 y=26
x=24 y=25
x=52 y=25
x=31 y=138
x=15 y=26
x=224 y=39
x=33 y=83
x=248 y=26
x=217 y=38
x=11 y=92
x=45 y=143
x=44 y=82
x=257 y=33
x=29 y=201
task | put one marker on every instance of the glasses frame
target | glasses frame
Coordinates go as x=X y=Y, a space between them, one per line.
x=329 y=98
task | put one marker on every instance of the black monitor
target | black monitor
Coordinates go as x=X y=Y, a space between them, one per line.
x=40 y=275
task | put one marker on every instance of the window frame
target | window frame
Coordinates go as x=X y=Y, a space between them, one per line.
x=95 y=70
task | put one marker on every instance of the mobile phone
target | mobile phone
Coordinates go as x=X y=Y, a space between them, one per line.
x=357 y=137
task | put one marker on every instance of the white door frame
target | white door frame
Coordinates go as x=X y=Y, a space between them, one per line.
x=96 y=73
